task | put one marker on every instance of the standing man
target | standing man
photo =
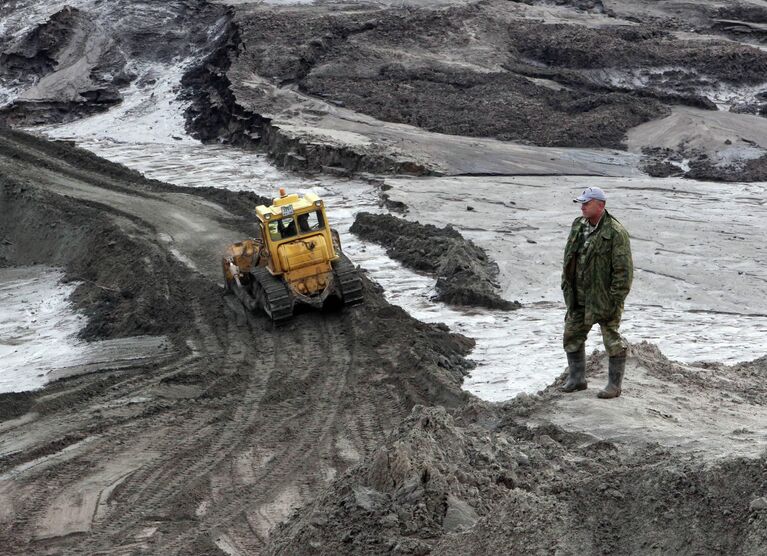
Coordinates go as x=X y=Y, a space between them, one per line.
x=596 y=279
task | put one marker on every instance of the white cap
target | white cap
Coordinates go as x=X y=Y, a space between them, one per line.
x=590 y=193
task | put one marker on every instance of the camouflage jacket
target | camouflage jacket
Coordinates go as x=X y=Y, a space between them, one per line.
x=608 y=272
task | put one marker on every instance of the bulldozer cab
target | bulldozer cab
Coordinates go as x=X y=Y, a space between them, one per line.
x=295 y=232
x=289 y=227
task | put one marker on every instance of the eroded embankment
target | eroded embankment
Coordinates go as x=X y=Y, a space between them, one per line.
x=60 y=63
x=491 y=70
x=120 y=300
x=215 y=114
x=242 y=423
x=465 y=274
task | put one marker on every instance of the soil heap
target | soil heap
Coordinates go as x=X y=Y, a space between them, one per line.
x=465 y=274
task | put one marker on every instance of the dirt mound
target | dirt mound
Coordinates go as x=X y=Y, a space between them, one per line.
x=213 y=113
x=595 y=6
x=432 y=477
x=639 y=507
x=698 y=165
x=119 y=301
x=487 y=479
x=465 y=274
x=741 y=20
x=216 y=114
x=500 y=105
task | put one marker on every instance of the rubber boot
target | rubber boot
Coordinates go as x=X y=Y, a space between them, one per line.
x=576 y=364
x=615 y=370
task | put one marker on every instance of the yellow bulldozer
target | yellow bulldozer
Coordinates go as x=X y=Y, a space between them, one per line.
x=297 y=258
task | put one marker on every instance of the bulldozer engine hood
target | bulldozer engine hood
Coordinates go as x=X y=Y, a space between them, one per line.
x=306 y=264
x=306 y=251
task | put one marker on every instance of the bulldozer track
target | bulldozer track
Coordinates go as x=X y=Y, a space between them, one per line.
x=349 y=283
x=276 y=300
x=190 y=452
x=317 y=418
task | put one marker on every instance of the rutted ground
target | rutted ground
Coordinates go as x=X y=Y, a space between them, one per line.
x=241 y=425
x=206 y=451
x=562 y=474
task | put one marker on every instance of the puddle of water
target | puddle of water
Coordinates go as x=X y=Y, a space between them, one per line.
x=37 y=326
x=38 y=334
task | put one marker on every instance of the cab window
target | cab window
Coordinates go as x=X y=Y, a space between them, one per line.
x=282 y=228
x=311 y=221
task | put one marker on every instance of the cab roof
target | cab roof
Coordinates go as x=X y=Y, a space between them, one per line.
x=300 y=204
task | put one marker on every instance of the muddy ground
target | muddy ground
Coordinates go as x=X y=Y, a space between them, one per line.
x=504 y=479
x=454 y=87
x=298 y=81
x=229 y=431
x=348 y=427
x=464 y=272
x=347 y=432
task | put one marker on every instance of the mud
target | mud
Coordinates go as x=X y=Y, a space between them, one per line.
x=347 y=432
x=338 y=56
x=402 y=66
x=216 y=115
x=230 y=422
x=465 y=274
x=725 y=146
x=33 y=61
x=697 y=165
x=498 y=479
x=41 y=228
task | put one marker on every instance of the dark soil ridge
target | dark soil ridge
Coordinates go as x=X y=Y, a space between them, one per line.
x=465 y=274
x=663 y=163
x=481 y=480
x=215 y=115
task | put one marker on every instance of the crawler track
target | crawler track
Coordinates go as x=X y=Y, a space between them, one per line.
x=348 y=280
x=272 y=294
